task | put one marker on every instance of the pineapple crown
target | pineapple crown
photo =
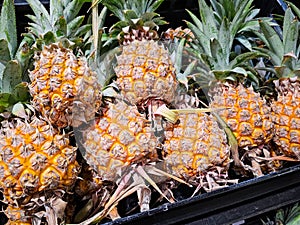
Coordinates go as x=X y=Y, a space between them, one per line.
x=137 y=18
x=13 y=60
x=283 y=49
x=60 y=24
x=216 y=32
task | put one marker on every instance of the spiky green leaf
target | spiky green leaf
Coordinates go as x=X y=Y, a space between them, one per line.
x=178 y=56
x=154 y=6
x=60 y=27
x=56 y=10
x=130 y=14
x=245 y=42
x=225 y=38
x=273 y=40
x=21 y=92
x=72 y=9
x=243 y=58
x=42 y=15
x=74 y=25
x=290 y=32
x=294 y=8
x=12 y=75
x=207 y=19
x=6 y=100
x=8 y=28
x=218 y=55
x=83 y=29
x=4 y=52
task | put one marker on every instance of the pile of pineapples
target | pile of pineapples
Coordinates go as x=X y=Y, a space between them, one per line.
x=91 y=116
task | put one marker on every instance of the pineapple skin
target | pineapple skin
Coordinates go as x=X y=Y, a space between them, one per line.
x=17 y=216
x=117 y=139
x=63 y=87
x=34 y=158
x=144 y=70
x=286 y=116
x=245 y=112
x=195 y=146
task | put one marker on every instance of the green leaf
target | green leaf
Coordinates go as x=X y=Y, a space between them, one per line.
x=283 y=71
x=49 y=38
x=12 y=75
x=201 y=38
x=115 y=6
x=275 y=59
x=226 y=41
x=6 y=100
x=24 y=56
x=42 y=15
x=56 y=10
x=290 y=32
x=245 y=42
x=207 y=18
x=74 y=25
x=102 y=17
x=83 y=29
x=196 y=21
x=240 y=16
x=21 y=92
x=72 y=9
x=130 y=14
x=155 y=5
x=245 y=57
x=4 y=52
x=8 y=27
x=219 y=9
x=178 y=56
x=239 y=70
x=217 y=55
x=294 y=8
x=61 y=27
x=273 y=41
x=148 y=16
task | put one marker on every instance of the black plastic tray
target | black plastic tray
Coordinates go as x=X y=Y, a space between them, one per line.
x=227 y=205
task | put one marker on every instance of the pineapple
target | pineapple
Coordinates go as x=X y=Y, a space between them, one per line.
x=34 y=157
x=283 y=54
x=144 y=71
x=223 y=71
x=118 y=139
x=60 y=79
x=196 y=147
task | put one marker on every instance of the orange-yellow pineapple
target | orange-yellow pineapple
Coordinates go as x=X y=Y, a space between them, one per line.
x=195 y=146
x=245 y=112
x=63 y=87
x=145 y=71
x=34 y=158
x=284 y=55
x=117 y=139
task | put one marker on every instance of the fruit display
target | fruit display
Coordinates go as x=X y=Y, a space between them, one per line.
x=97 y=124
